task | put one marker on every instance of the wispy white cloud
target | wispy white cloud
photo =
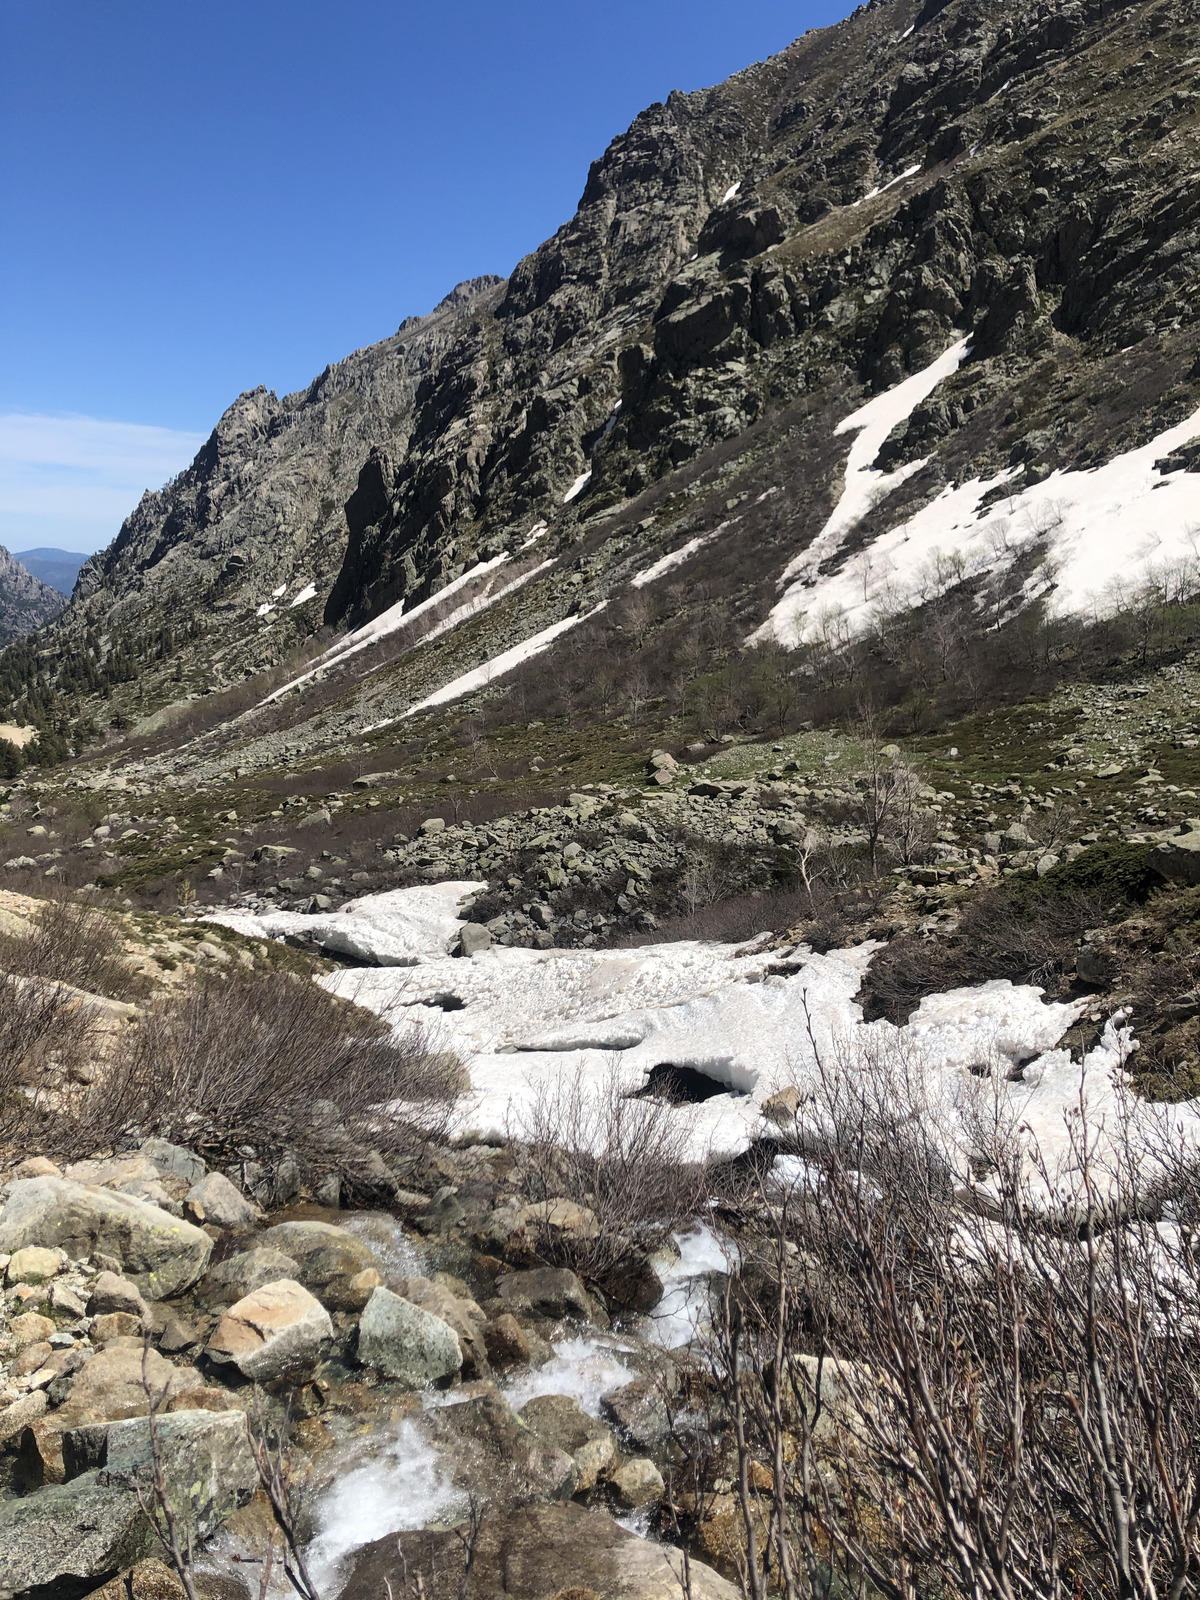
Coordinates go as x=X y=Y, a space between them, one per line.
x=70 y=480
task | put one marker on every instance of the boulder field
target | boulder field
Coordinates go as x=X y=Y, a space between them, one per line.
x=128 y=1332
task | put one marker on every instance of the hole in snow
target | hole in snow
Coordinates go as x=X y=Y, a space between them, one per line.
x=681 y=1086
x=443 y=1002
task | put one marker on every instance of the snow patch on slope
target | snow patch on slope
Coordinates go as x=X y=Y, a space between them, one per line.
x=674 y=558
x=480 y=677
x=383 y=626
x=1100 y=534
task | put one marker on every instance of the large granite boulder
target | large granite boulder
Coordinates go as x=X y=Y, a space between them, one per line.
x=162 y=1254
x=533 y=1554
x=277 y=1331
x=323 y=1253
x=240 y=1275
x=562 y=1422
x=207 y=1463
x=65 y=1539
x=552 y=1292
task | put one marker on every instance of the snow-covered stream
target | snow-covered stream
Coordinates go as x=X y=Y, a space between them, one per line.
x=754 y=1021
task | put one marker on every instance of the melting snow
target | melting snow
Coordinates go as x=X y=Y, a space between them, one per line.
x=535 y=533
x=499 y=665
x=730 y=192
x=577 y=488
x=481 y=602
x=264 y=610
x=674 y=558
x=909 y=172
x=398 y=928
x=1101 y=533
x=385 y=624
x=682 y=1313
x=864 y=486
x=307 y=593
x=277 y=594
x=529 y=1017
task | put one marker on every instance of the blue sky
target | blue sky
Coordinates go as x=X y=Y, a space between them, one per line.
x=198 y=199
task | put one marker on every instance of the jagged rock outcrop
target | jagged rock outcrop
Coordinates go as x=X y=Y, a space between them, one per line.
x=26 y=603
x=743 y=262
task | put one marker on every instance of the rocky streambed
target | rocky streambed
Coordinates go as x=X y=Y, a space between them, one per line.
x=434 y=1402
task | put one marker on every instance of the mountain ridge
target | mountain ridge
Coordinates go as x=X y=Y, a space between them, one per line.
x=26 y=603
x=746 y=263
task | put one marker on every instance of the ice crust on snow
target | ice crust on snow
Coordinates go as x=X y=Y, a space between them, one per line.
x=531 y=1018
x=1098 y=533
x=577 y=488
x=307 y=593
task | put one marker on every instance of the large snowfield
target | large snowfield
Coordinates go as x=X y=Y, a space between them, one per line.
x=1098 y=534
x=525 y=1022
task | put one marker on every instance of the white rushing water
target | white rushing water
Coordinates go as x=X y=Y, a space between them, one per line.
x=682 y=1313
x=401 y=1486
x=583 y=1368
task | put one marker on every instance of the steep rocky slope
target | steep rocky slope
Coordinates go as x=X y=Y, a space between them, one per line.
x=26 y=603
x=965 y=234
x=743 y=260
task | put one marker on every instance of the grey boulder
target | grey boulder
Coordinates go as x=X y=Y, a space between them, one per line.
x=238 y=1276
x=207 y=1463
x=404 y=1342
x=277 y=1331
x=561 y=1422
x=1178 y=859
x=160 y=1253
x=552 y=1292
x=531 y=1554
x=216 y=1200
x=322 y=1252
x=68 y=1536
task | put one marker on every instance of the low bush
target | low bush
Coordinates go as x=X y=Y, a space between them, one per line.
x=70 y=943
x=622 y=1156
x=259 y=1065
x=1024 y=930
x=47 y=1044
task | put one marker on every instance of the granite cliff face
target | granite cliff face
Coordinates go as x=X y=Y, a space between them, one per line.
x=26 y=603
x=746 y=265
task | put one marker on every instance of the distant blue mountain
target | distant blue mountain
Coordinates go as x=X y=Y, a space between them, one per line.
x=58 y=568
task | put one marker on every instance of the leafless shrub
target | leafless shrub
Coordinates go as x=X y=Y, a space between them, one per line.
x=69 y=943
x=1028 y=933
x=624 y=1158
x=889 y=806
x=273 y=1062
x=46 y=1045
x=954 y=1392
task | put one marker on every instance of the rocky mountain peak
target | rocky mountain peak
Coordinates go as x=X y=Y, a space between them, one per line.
x=26 y=603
